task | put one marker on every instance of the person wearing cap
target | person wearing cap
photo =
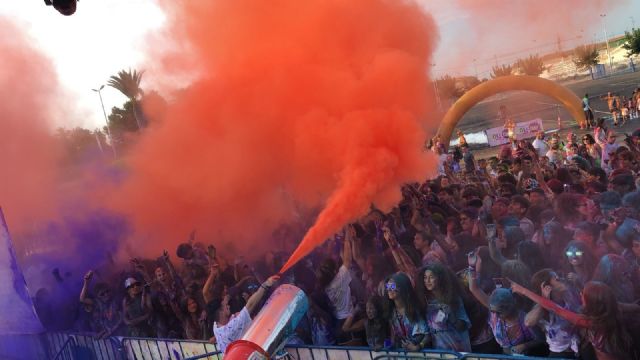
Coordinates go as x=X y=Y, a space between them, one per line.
x=137 y=309
x=228 y=328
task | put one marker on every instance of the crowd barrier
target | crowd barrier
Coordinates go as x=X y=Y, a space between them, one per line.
x=66 y=346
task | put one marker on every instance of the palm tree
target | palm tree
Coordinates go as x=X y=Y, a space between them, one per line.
x=128 y=83
x=501 y=70
x=586 y=56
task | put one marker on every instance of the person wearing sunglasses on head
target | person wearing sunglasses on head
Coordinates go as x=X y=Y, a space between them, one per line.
x=137 y=309
x=408 y=328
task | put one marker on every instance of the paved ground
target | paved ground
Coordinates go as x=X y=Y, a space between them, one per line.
x=524 y=105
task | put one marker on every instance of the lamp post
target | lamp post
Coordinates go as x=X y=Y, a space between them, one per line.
x=437 y=91
x=106 y=120
x=606 y=39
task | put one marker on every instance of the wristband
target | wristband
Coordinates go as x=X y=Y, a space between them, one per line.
x=265 y=287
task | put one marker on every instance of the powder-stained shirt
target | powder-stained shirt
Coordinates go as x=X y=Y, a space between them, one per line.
x=233 y=330
x=339 y=293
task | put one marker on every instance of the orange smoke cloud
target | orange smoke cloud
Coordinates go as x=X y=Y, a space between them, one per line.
x=28 y=152
x=298 y=103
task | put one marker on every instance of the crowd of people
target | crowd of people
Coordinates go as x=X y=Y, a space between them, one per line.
x=534 y=251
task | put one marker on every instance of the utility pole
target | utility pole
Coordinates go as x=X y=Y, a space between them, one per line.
x=633 y=22
x=606 y=39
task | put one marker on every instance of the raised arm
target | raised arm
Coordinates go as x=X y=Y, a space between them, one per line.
x=208 y=285
x=495 y=253
x=403 y=261
x=477 y=292
x=347 y=253
x=172 y=271
x=257 y=296
x=574 y=318
x=84 y=298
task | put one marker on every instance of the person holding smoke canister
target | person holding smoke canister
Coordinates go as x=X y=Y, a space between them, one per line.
x=229 y=328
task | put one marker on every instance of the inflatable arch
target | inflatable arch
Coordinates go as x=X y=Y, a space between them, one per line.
x=507 y=83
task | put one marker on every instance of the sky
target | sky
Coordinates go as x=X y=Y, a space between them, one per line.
x=106 y=36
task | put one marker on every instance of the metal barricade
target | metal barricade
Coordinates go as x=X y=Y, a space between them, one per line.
x=500 y=357
x=216 y=355
x=151 y=348
x=67 y=351
x=303 y=352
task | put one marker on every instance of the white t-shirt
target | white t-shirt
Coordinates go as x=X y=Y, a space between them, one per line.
x=233 y=330
x=541 y=147
x=339 y=293
x=607 y=149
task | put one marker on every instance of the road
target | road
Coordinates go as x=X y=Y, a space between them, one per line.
x=524 y=105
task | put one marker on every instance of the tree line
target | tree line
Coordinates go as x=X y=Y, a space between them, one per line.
x=585 y=57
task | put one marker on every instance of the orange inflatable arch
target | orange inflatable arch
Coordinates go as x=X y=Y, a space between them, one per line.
x=508 y=83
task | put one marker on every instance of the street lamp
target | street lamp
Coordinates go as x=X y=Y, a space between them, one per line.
x=606 y=39
x=435 y=88
x=113 y=145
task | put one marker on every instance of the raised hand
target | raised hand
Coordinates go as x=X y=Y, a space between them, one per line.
x=211 y=252
x=272 y=280
x=88 y=276
x=545 y=289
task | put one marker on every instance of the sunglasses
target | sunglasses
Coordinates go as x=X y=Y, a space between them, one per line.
x=391 y=287
x=104 y=293
x=574 y=253
x=252 y=287
x=133 y=285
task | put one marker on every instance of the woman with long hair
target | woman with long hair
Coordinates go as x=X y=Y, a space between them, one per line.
x=614 y=271
x=408 y=328
x=193 y=319
x=600 y=318
x=579 y=263
x=600 y=133
x=447 y=320
x=562 y=337
x=592 y=149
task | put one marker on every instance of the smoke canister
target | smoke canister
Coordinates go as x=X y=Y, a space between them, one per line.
x=272 y=326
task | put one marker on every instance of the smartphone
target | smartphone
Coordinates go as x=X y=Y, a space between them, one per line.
x=567 y=188
x=491 y=231
x=502 y=283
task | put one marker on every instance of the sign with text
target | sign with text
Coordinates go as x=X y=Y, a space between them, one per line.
x=523 y=130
